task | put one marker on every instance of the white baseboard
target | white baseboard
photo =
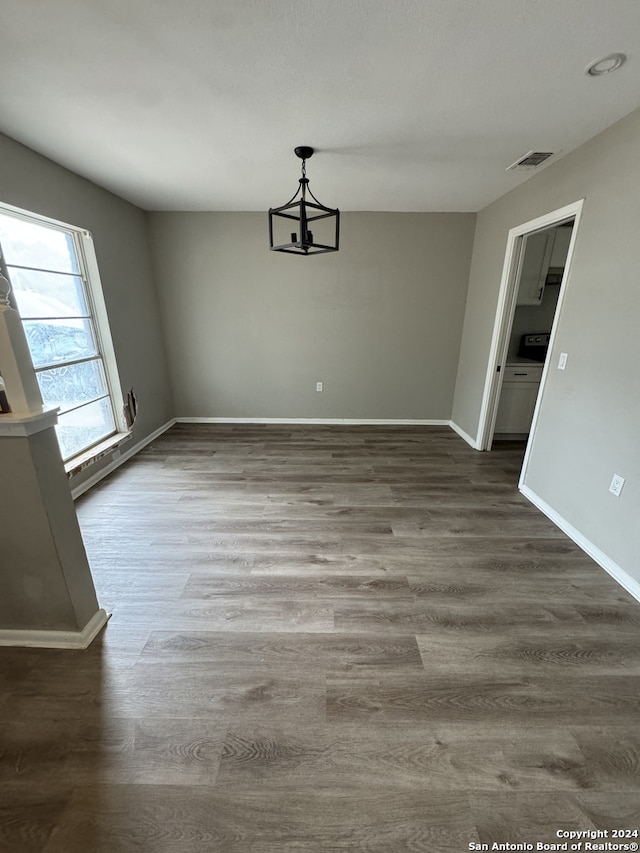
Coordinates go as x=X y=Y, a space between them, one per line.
x=625 y=580
x=328 y=421
x=464 y=435
x=57 y=639
x=115 y=463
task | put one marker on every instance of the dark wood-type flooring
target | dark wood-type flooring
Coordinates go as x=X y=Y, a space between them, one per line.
x=325 y=639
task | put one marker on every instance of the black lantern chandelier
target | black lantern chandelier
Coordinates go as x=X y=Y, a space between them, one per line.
x=303 y=213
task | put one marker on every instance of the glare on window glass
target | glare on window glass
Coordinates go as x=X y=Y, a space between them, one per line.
x=85 y=426
x=41 y=246
x=48 y=294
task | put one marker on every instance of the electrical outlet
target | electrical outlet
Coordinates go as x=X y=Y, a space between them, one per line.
x=616 y=485
x=319 y=386
x=562 y=361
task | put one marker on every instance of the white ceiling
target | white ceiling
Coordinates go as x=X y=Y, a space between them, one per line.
x=413 y=105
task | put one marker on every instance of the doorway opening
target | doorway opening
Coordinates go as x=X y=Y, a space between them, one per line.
x=534 y=280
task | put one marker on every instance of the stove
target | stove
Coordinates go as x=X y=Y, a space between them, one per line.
x=534 y=345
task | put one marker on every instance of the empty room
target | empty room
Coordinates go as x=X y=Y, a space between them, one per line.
x=319 y=426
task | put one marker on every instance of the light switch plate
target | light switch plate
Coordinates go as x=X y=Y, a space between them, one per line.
x=562 y=361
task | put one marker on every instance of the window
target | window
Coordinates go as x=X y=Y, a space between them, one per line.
x=56 y=289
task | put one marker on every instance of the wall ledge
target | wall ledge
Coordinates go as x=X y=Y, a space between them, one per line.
x=631 y=585
x=56 y=639
x=12 y=426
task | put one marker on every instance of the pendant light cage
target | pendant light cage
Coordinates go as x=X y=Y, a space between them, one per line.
x=300 y=214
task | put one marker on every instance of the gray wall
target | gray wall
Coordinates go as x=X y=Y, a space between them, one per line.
x=589 y=423
x=36 y=184
x=249 y=332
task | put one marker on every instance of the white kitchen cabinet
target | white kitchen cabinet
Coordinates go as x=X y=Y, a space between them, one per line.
x=534 y=265
x=560 y=247
x=518 y=398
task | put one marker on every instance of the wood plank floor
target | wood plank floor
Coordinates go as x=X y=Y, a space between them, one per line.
x=325 y=639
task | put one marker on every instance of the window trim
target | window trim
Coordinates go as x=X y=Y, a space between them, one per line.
x=90 y=275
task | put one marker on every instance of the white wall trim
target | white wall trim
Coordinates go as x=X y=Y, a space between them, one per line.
x=464 y=435
x=57 y=639
x=115 y=463
x=355 y=421
x=625 y=580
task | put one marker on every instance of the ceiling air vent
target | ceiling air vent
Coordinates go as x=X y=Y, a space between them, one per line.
x=530 y=160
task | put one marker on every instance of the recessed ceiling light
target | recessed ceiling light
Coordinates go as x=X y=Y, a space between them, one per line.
x=606 y=65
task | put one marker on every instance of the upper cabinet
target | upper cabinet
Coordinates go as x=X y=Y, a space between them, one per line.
x=535 y=260
x=560 y=247
x=541 y=252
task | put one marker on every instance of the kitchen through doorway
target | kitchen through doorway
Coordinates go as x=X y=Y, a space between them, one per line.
x=540 y=273
x=533 y=283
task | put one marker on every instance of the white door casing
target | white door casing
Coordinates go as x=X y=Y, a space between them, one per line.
x=504 y=318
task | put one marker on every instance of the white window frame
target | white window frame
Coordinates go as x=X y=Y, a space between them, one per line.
x=90 y=275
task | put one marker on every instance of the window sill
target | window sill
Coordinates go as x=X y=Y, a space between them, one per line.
x=83 y=460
